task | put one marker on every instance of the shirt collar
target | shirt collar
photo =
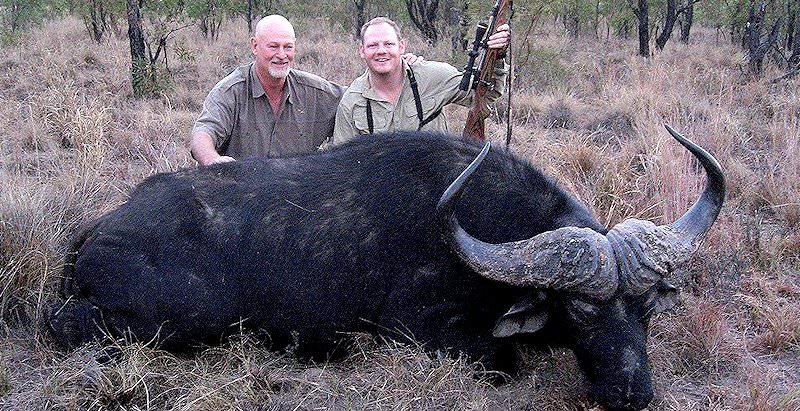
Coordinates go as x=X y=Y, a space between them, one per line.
x=290 y=92
x=257 y=90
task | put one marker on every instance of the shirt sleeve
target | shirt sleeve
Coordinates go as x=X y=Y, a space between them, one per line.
x=500 y=75
x=218 y=116
x=344 y=130
x=332 y=106
x=464 y=98
x=442 y=81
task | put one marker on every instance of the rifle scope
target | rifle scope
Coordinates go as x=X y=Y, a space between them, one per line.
x=469 y=69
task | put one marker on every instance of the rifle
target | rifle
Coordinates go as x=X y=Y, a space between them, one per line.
x=481 y=77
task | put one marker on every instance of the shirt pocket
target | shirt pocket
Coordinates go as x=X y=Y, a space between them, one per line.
x=411 y=119
x=410 y=114
x=380 y=118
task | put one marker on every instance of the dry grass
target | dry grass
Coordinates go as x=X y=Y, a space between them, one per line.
x=590 y=113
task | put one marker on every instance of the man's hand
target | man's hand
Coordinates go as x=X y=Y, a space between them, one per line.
x=202 y=148
x=222 y=159
x=500 y=38
x=411 y=58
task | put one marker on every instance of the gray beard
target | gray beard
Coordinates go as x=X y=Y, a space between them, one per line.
x=278 y=73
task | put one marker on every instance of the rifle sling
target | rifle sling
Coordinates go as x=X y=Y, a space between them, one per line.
x=370 y=122
x=417 y=101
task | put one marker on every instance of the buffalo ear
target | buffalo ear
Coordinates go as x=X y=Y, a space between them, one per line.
x=528 y=315
x=664 y=297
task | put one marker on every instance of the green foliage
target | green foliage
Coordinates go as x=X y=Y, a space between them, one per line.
x=541 y=68
x=209 y=15
x=248 y=10
x=731 y=14
x=575 y=14
x=98 y=15
x=17 y=15
x=582 y=16
x=623 y=22
x=160 y=20
x=342 y=14
x=184 y=53
x=150 y=79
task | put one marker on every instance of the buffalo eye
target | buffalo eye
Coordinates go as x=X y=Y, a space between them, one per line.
x=584 y=313
x=661 y=297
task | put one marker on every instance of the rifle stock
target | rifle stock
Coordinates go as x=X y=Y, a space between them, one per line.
x=475 y=127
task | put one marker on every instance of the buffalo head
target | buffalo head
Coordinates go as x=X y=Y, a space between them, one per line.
x=596 y=291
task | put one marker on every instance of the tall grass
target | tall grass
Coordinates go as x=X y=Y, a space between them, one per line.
x=74 y=142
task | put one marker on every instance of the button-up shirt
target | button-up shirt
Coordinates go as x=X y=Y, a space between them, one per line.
x=238 y=116
x=438 y=86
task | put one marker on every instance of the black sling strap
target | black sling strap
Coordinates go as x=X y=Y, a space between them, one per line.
x=369 y=117
x=417 y=101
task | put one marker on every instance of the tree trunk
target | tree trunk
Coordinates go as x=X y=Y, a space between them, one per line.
x=596 y=19
x=423 y=15
x=249 y=16
x=792 y=21
x=755 y=46
x=457 y=21
x=794 y=47
x=734 y=27
x=669 y=24
x=359 y=19
x=97 y=20
x=15 y=12
x=686 y=22
x=642 y=13
x=204 y=27
x=138 y=56
x=572 y=22
x=625 y=29
x=96 y=26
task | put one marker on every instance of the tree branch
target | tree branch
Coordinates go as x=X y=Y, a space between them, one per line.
x=686 y=7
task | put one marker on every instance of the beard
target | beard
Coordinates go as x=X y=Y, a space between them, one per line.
x=278 y=72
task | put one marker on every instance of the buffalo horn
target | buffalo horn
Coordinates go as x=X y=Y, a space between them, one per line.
x=646 y=252
x=569 y=259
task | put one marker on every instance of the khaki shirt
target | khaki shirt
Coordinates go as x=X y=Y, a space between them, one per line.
x=438 y=86
x=238 y=116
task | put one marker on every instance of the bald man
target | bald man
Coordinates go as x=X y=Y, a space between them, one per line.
x=266 y=108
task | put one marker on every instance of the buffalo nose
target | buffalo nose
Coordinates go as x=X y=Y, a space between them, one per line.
x=618 y=399
x=633 y=402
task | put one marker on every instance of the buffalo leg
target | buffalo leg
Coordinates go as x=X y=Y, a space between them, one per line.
x=74 y=323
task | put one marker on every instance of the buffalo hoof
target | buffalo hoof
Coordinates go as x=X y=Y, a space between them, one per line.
x=72 y=324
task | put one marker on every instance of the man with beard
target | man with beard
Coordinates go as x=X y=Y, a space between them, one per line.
x=266 y=108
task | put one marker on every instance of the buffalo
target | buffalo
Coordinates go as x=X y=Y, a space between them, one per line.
x=469 y=251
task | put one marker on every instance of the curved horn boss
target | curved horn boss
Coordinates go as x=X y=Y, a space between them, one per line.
x=633 y=255
x=645 y=252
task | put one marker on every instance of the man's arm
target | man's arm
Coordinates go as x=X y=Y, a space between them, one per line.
x=216 y=122
x=485 y=80
x=329 y=106
x=203 y=150
x=499 y=40
x=500 y=74
x=345 y=129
